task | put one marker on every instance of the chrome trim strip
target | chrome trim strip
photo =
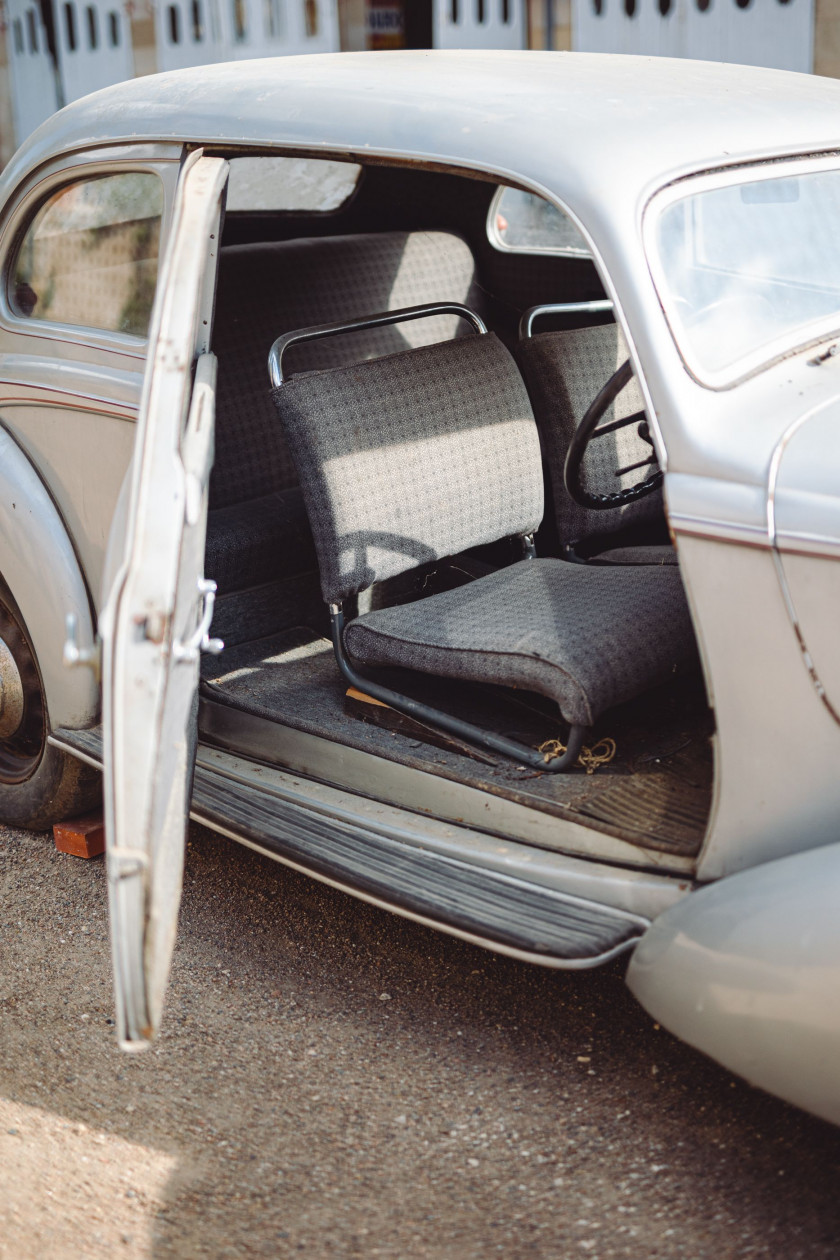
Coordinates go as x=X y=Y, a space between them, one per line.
x=87 y=758
x=773 y=537
x=721 y=531
x=555 y=964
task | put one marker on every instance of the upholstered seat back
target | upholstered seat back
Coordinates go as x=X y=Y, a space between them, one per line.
x=274 y=287
x=412 y=457
x=564 y=372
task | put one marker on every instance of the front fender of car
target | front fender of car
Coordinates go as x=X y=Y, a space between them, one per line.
x=748 y=970
x=39 y=565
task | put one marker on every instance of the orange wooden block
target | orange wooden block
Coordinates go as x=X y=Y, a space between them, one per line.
x=81 y=837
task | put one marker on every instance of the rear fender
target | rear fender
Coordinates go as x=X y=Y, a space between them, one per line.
x=39 y=565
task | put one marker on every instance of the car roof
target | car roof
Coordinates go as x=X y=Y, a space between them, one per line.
x=591 y=128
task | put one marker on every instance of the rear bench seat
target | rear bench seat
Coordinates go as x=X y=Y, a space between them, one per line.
x=259 y=545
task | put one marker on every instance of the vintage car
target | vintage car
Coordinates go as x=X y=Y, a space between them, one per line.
x=509 y=598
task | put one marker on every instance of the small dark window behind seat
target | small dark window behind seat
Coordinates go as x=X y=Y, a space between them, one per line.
x=259 y=546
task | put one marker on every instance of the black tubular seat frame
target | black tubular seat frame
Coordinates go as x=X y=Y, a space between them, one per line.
x=521 y=753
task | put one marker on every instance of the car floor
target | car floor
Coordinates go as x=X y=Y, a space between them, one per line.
x=655 y=792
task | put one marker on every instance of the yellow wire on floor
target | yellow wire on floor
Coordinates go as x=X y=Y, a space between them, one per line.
x=600 y=754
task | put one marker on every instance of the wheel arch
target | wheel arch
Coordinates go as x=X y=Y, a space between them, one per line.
x=41 y=569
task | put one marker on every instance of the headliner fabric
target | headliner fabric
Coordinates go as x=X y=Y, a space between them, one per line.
x=564 y=372
x=272 y=288
x=412 y=457
x=587 y=637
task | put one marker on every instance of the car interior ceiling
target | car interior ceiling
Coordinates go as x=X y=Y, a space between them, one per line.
x=404 y=238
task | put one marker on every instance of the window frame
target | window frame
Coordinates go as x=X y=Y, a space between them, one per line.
x=161 y=160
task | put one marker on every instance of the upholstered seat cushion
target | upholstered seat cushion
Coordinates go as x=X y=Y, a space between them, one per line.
x=259 y=541
x=587 y=637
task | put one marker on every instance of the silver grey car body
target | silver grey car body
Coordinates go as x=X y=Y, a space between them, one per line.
x=750 y=454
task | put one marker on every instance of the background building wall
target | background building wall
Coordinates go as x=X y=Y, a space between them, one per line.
x=827 y=38
x=561 y=24
x=798 y=34
x=777 y=33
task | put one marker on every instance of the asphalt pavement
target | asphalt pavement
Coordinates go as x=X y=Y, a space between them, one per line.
x=334 y=1081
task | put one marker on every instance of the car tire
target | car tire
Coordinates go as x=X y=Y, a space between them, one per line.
x=39 y=784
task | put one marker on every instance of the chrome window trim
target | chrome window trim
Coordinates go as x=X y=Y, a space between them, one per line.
x=87 y=165
x=799 y=339
x=540 y=250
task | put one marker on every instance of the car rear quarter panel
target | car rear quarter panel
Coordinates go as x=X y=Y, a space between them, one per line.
x=41 y=568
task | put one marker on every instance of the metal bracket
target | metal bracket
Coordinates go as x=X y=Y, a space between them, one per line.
x=200 y=641
x=74 y=655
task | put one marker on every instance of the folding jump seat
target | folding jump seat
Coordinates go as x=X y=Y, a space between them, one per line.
x=424 y=454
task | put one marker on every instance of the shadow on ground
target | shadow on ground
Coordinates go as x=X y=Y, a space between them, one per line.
x=333 y=1080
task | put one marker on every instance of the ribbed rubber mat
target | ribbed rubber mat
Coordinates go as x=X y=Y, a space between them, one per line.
x=459 y=894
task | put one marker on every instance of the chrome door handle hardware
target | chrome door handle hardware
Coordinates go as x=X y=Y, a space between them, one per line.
x=200 y=641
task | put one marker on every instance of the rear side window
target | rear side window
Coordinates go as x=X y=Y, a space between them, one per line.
x=89 y=257
x=311 y=185
x=523 y=223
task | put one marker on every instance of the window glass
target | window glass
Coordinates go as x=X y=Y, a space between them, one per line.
x=287 y=183
x=90 y=255
x=528 y=224
x=748 y=265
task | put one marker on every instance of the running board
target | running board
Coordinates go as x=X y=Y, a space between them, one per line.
x=498 y=911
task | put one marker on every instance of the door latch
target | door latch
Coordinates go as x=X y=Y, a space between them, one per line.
x=200 y=641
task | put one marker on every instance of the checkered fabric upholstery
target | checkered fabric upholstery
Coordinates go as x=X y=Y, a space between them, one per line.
x=564 y=372
x=271 y=288
x=412 y=457
x=426 y=453
x=588 y=637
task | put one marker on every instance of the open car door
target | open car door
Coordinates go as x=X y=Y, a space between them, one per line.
x=157 y=613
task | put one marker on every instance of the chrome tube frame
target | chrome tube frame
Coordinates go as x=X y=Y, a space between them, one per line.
x=526 y=323
x=430 y=309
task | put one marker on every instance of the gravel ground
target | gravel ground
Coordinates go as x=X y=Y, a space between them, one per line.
x=335 y=1081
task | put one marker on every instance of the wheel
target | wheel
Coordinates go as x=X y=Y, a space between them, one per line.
x=39 y=785
x=588 y=430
